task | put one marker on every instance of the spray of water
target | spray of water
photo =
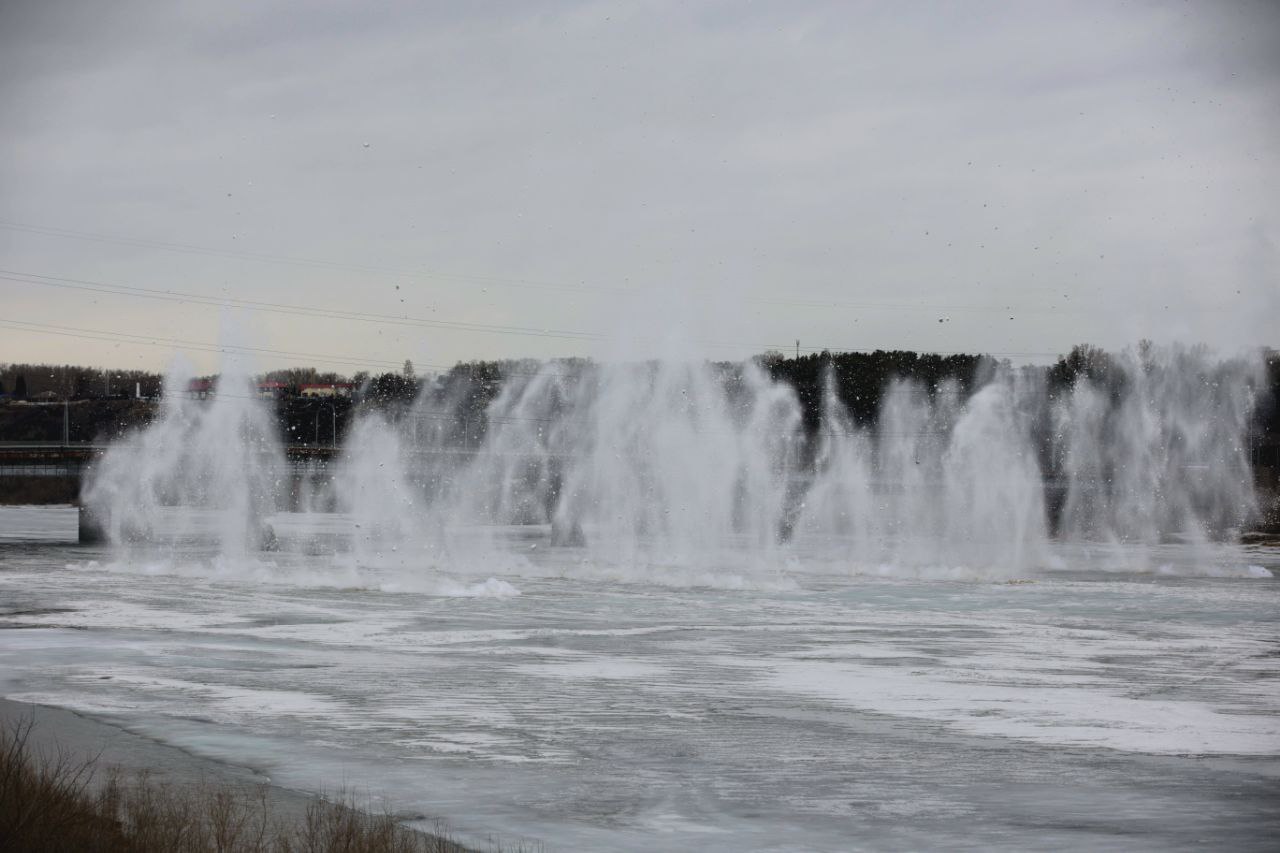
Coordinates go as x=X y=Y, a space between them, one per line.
x=678 y=469
x=205 y=469
x=1157 y=451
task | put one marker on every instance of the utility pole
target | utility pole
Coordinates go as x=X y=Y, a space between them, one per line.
x=66 y=422
x=333 y=424
x=797 y=349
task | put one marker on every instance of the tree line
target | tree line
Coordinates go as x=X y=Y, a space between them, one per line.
x=860 y=379
x=75 y=382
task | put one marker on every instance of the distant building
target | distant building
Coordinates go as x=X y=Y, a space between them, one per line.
x=200 y=389
x=272 y=389
x=327 y=389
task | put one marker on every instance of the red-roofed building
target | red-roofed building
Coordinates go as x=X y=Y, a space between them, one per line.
x=327 y=389
x=272 y=389
x=200 y=389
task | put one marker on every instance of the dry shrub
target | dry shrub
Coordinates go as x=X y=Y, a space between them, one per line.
x=43 y=799
x=53 y=803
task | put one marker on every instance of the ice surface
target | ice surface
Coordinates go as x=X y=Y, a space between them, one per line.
x=39 y=523
x=1088 y=708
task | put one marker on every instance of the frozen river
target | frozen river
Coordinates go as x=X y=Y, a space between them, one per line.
x=806 y=710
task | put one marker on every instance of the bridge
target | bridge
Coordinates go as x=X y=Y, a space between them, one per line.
x=55 y=459
x=23 y=467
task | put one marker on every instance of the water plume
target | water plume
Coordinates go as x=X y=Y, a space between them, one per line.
x=937 y=483
x=1154 y=447
x=685 y=471
x=207 y=469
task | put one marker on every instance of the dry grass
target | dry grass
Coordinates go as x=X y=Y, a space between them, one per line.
x=57 y=802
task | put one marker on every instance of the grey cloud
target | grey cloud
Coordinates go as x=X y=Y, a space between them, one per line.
x=1087 y=162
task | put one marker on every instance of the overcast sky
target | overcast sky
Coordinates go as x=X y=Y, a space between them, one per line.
x=634 y=178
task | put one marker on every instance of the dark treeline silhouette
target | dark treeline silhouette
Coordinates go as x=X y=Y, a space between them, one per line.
x=456 y=402
x=74 y=382
x=861 y=378
x=314 y=422
x=1103 y=369
x=78 y=422
x=295 y=377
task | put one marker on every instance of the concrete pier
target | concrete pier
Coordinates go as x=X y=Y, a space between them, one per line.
x=91 y=530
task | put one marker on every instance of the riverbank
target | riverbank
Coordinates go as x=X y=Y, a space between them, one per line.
x=183 y=792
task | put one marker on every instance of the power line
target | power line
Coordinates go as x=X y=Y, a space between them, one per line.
x=504 y=281
x=390 y=319
x=204 y=346
x=282 y=308
x=411 y=412
x=199 y=346
x=265 y=257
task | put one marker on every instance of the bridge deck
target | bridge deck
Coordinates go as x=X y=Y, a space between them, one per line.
x=19 y=459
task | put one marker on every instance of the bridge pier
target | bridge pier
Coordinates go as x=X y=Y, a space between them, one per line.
x=567 y=533
x=267 y=540
x=91 y=531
